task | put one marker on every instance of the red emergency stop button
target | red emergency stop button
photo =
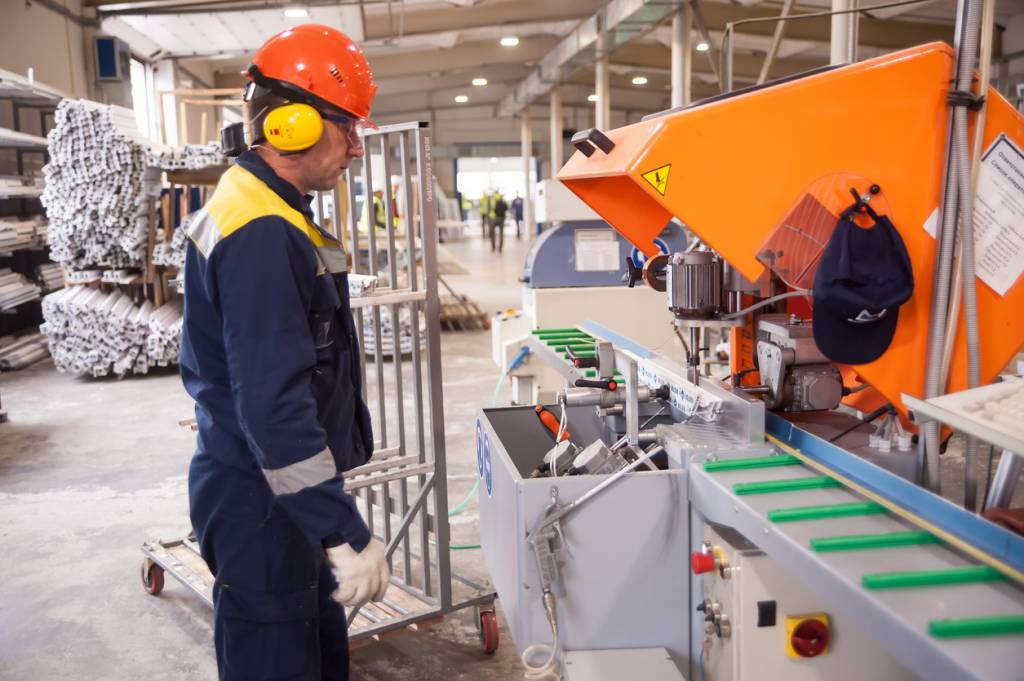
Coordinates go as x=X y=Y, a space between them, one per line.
x=809 y=638
x=702 y=562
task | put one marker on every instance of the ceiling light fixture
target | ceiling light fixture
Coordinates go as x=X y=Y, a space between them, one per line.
x=639 y=80
x=461 y=99
x=509 y=41
x=479 y=82
x=592 y=98
x=296 y=12
x=703 y=46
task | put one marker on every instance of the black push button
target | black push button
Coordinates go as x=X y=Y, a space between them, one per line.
x=766 y=613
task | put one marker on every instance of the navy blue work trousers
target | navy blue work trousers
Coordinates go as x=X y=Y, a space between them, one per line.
x=274 y=618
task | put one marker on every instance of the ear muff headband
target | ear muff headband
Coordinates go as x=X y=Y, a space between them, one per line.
x=293 y=127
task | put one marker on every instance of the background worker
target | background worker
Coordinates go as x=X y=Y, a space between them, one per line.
x=517 y=214
x=269 y=354
x=485 y=214
x=500 y=209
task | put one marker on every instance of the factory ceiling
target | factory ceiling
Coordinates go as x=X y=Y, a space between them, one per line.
x=426 y=52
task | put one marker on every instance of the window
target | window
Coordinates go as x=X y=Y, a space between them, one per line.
x=142 y=98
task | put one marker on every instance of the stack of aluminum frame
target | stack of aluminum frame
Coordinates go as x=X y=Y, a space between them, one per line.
x=96 y=183
x=98 y=333
x=18 y=353
x=189 y=157
x=50 y=277
x=15 y=289
x=172 y=252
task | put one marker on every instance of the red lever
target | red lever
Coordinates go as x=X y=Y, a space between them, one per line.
x=702 y=562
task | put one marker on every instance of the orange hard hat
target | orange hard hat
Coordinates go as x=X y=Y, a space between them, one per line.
x=317 y=65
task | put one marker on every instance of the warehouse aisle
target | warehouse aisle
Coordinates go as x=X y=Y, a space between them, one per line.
x=89 y=469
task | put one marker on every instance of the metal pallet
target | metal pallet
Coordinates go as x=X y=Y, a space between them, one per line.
x=925 y=577
x=402 y=490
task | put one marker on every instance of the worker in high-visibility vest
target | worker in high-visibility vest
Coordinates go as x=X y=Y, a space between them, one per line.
x=485 y=212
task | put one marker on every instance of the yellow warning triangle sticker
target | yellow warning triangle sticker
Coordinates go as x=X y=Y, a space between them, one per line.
x=658 y=178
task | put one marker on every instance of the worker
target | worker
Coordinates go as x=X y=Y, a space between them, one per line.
x=485 y=214
x=517 y=214
x=499 y=209
x=379 y=217
x=269 y=354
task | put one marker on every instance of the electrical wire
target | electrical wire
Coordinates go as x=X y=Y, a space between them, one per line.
x=767 y=301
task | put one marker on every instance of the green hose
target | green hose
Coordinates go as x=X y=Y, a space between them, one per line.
x=462 y=505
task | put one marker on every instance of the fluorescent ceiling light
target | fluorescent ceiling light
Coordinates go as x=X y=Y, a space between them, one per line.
x=702 y=46
x=639 y=80
x=296 y=12
x=479 y=82
x=509 y=41
x=461 y=99
x=592 y=98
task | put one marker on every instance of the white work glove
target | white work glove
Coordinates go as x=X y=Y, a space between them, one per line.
x=362 y=576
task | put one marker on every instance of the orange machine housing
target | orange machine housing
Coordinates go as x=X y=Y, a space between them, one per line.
x=730 y=169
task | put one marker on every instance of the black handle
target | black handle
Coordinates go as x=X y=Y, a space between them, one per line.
x=586 y=140
x=602 y=383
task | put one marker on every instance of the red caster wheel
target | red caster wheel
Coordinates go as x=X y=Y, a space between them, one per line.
x=152 y=577
x=489 y=636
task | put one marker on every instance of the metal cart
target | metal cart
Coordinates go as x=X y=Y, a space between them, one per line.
x=402 y=491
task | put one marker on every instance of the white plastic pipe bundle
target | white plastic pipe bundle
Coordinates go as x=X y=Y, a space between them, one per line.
x=98 y=333
x=15 y=289
x=173 y=252
x=164 y=342
x=18 y=353
x=191 y=157
x=96 y=183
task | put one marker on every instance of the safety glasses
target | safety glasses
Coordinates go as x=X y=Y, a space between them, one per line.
x=352 y=127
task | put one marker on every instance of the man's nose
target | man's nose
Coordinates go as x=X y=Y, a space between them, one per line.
x=355 y=149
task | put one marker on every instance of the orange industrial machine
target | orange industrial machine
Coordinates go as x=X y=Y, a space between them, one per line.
x=774 y=165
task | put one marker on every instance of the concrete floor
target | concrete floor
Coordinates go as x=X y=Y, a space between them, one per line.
x=89 y=469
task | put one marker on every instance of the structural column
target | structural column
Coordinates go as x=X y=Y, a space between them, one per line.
x=844 y=33
x=556 y=132
x=527 y=140
x=603 y=105
x=682 y=67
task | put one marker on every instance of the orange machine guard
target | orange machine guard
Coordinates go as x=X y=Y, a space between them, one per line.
x=730 y=169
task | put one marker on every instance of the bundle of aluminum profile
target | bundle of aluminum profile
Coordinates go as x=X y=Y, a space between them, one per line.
x=98 y=333
x=15 y=289
x=387 y=334
x=17 y=233
x=189 y=157
x=50 y=277
x=96 y=185
x=172 y=252
x=18 y=353
x=164 y=342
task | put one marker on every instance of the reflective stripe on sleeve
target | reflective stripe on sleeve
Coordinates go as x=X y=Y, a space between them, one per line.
x=332 y=258
x=302 y=474
x=204 y=232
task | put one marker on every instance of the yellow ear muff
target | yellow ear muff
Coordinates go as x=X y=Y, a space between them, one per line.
x=293 y=127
